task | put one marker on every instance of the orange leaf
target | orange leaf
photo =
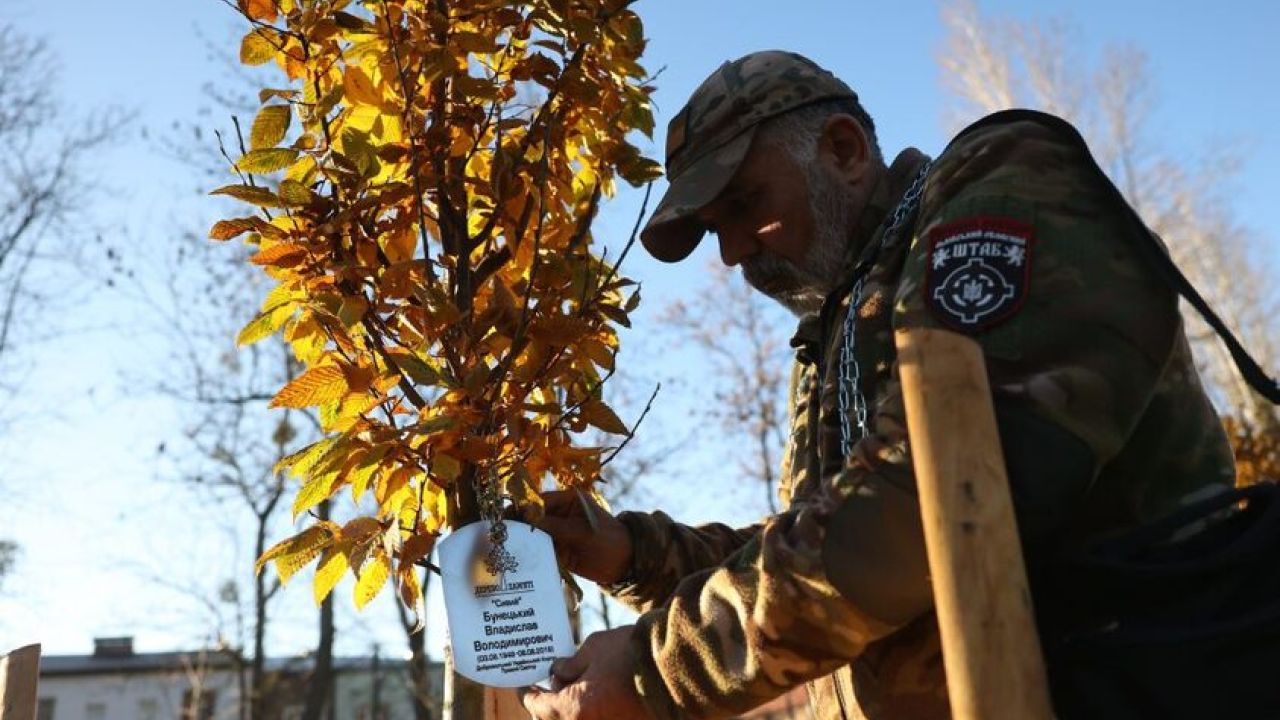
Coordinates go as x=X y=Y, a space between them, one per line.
x=264 y=10
x=228 y=229
x=316 y=386
x=599 y=353
x=411 y=594
x=603 y=417
x=559 y=330
x=360 y=529
x=416 y=548
x=280 y=255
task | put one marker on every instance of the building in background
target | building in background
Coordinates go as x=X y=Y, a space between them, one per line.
x=116 y=683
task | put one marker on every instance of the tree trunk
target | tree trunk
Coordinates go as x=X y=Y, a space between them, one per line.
x=463 y=699
x=258 y=659
x=419 y=661
x=319 y=690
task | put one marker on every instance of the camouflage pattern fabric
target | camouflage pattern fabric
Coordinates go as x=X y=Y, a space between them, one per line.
x=1091 y=374
x=708 y=139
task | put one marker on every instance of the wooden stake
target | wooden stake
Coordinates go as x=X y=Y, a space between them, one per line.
x=19 y=680
x=503 y=704
x=994 y=665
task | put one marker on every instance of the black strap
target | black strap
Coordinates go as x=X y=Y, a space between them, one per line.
x=1249 y=368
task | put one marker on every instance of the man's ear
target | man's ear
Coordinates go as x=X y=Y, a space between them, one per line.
x=845 y=146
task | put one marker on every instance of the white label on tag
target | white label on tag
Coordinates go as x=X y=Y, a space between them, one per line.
x=505 y=628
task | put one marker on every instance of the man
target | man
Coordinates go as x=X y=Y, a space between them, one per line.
x=1012 y=236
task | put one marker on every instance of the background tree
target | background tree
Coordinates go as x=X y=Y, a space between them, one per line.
x=44 y=186
x=425 y=700
x=8 y=554
x=43 y=180
x=745 y=336
x=993 y=64
x=231 y=442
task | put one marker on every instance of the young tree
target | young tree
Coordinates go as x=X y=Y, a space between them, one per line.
x=993 y=64
x=429 y=228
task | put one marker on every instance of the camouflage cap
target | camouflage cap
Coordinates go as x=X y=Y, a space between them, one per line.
x=708 y=139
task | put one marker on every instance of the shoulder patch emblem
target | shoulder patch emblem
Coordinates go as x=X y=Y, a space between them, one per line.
x=979 y=271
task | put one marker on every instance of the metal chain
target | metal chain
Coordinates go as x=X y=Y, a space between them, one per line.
x=489 y=498
x=852 y=401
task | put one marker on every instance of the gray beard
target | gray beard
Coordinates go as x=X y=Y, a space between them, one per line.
x=802 y=288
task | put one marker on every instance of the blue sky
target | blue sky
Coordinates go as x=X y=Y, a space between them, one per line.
x=79 y=470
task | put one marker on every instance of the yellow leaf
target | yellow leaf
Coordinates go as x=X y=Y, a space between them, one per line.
x=281 y=294
x=315 y=491
x=401 y=245
x=252 y=194
x=316 y=386
x=256 y=48
x=265 y=324
x=364 y=472
x=328 y=572
x=266 y=160
x=301 y=461
x=373 y=576
x=295 y=552
x=359 y=89
x=602 y=416
x=294 y=193
x=270 y=126
x=419 y=371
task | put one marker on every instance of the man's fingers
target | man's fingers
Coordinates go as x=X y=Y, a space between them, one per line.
x=561 y=502
x=541 y=704
x=566 y=530
x=569 y=669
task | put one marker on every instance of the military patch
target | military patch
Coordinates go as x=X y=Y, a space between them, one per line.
x=979 y=271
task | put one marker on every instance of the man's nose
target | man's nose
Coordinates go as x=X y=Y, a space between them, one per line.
x=736 y=246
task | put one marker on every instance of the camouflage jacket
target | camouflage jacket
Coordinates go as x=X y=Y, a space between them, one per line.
x=1102 y=417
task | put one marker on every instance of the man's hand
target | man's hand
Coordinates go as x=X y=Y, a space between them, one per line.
x=591 y=542
x=595 y=684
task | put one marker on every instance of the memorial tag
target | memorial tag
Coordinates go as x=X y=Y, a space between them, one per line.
x=507 y=614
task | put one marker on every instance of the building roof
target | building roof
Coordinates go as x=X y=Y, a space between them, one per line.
x=167 y=662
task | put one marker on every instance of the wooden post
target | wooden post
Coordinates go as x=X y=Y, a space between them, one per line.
x=994 y=665
x=503 y=704
x=463 y=696
x=19 y=680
